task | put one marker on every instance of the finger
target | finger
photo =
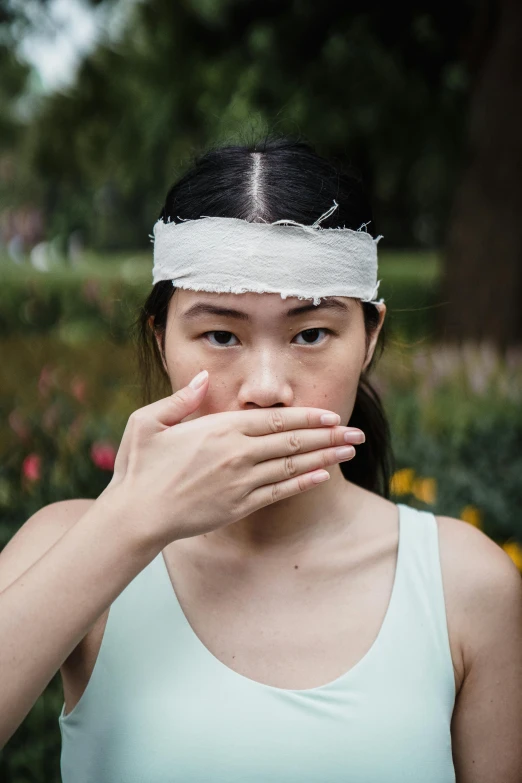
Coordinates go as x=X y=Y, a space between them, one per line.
x=271 y=420
x=270 y=493
x=169 y=410
x=284 y=444
x=287 y=467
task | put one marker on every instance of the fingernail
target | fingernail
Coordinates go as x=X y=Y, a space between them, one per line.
x=353 y=436
x=199 y=380
x=344 y=451
x=330 y=418
x=322 y=475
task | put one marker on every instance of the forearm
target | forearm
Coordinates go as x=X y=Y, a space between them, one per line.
x=49 y=609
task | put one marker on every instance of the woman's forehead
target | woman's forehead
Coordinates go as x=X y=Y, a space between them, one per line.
x=251 y=301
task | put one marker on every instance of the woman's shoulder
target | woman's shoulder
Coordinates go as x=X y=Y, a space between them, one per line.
x=471 y=551
x=478 y=575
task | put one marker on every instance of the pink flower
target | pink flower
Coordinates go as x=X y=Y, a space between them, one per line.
x=103 y=454
x=31 y=467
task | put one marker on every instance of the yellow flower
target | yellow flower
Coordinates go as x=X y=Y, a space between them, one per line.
x=514 y=550
x=401 y=481
x=473 y=515
x=425 y=489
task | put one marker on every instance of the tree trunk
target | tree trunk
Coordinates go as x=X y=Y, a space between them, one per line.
x=482 y=275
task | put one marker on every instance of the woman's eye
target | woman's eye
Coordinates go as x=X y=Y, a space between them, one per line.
x=222 y=338
x=311 y=333
x=221 y=334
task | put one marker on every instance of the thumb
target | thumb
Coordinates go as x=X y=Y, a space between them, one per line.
x=188 y=399
x=167 y=411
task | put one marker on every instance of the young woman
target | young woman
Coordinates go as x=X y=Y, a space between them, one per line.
x=218 y=614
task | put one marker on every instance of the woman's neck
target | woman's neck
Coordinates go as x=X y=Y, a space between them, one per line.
x=310 y=519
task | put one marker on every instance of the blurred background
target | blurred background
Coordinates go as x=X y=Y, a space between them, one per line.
x=102 y=106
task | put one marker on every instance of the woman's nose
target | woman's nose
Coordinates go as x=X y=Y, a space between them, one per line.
x=265 y=384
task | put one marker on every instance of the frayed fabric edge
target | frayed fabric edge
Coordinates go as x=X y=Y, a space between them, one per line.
x=242 y=290
x=314 y=227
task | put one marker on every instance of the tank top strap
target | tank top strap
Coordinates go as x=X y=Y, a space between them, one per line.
x=421 y=590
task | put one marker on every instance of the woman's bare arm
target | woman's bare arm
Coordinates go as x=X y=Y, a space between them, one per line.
x=487 y=719
x=48 y=608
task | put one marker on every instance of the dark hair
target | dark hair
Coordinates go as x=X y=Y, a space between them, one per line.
x=294 y=182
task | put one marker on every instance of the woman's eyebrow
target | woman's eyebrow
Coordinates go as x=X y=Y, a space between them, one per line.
x=204 y=308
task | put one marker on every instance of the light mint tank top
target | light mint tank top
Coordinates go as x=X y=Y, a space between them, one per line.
x=160 y=708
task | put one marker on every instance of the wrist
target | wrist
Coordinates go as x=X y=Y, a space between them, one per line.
x=124 y=517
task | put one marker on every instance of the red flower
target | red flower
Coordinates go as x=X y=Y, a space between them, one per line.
x=103 y=454
x=31 y=467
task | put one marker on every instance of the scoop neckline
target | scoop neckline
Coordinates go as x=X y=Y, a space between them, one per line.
x=319 y=688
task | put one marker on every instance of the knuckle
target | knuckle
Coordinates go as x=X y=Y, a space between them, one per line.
x=234 y=461
x=293 y=442
x=301 y=482
x=221 y=431
x=182 y=395
x=276 y=421
x=138 y=418
x=290 y=466
x=239 y=511
x=276 y=492
x=237 y=492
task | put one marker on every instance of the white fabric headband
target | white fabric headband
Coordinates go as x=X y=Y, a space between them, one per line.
x=235 y=256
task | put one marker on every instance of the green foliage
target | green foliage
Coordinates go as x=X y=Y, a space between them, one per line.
x=471 y=445
x=183 y=76
x=12 y=84
x=100 y=298
x=14 y=80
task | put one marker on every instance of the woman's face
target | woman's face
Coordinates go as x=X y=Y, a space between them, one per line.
x=268 y=354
